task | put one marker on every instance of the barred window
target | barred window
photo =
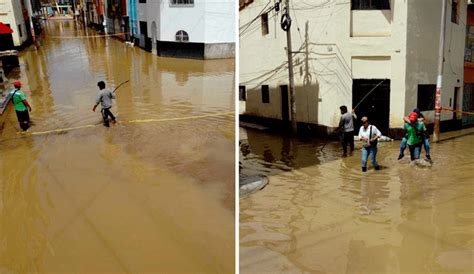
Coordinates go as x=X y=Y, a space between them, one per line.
x=182 y=36
x=370 y=4
x=181 y=2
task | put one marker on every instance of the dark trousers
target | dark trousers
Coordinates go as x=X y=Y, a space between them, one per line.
x=347 y=138
x=23 y=119
x=105 y=115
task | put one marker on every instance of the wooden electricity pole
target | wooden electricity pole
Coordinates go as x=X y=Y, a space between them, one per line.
x=290 y=70
x=439 y=82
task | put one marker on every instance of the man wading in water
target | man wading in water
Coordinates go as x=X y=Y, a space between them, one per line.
x=346 y=127
x=105 y=97
x=21 y=106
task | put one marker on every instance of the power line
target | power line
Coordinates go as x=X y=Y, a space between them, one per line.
x=247 y=25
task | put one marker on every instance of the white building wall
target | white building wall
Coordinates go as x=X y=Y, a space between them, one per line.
x=154 y=9
x=191 y=19
x=422 y=60
x=206 y=21
x=220 y=21
x=11 y=13
x=337 y=39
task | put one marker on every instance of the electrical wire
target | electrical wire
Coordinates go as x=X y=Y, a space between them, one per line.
x=248 y=24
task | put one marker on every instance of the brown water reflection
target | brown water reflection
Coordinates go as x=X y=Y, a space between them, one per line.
x=320 y=214
x=155 y=196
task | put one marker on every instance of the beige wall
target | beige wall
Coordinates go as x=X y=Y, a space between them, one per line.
x=422 y=60
x=338 y=39
x=11 y=13
x=400 y=44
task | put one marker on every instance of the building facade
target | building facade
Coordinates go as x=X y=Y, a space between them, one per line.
x=116 y=18
x=92 y=13
x=468 y=92
x=202 y=29
x=378 y=56
x=14 y=14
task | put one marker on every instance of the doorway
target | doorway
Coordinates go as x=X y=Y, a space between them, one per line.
x=372 y=98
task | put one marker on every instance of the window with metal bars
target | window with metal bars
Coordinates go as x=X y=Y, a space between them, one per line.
x=182 y=36
x=181 y=2
x=370 y=4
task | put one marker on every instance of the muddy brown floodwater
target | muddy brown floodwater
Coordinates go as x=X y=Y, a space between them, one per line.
x=152 y=194
x=320 y=214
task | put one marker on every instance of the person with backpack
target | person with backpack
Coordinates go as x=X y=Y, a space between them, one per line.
x=21 y=106
x=346 y=127
x=369 y=135
x=104 y=97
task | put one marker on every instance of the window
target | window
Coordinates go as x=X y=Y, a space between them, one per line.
x=370 y=4
x=181 y=2
x=264 y=19
x=469 y=44
x=265 y=94
x=426 y=97
x=242 y=94
x=142 y=1
x=182 y=36
x=144 y=28
x=454 y=11
x=19 y=30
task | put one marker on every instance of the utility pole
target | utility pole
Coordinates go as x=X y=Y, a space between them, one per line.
x=439 y=82
x=290 y=69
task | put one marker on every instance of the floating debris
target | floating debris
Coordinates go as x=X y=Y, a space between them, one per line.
x=252 y=184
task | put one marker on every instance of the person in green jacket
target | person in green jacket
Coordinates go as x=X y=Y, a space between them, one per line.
x=21 y=106
x=415 y=131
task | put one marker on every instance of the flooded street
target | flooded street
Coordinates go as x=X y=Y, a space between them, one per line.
x=321 y=214
x=152 y=194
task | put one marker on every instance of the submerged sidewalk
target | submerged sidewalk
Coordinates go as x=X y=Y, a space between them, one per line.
x=449 y=135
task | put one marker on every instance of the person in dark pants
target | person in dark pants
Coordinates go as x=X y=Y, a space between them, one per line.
x=21 y=106
x=346 y=127
x=104 y=97
x=426 y=137
x=415 y=134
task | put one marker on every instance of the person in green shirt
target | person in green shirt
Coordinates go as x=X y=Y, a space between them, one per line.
x=415 y=131
x=21 y=106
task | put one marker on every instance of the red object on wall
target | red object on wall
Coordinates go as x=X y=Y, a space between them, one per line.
x=4 y=29
x=99 y=8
